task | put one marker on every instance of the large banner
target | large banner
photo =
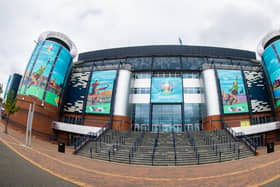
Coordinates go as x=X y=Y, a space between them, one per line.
x=273 y=70
x=232 y=91
x=166 y=90
x=28 y=70
x=39 y=70
x=56 y=82
x=100 y=92
x=258 y=94
x=43 y=64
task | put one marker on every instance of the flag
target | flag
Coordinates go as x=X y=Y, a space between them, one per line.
x=180 y=41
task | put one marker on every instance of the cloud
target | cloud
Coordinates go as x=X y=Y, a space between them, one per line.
x=91 y=12
x=236 y=27
x=94 y=24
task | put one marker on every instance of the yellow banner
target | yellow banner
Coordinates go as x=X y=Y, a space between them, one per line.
x=244 y=123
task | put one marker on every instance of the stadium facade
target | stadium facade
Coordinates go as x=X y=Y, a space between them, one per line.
x=161 y=88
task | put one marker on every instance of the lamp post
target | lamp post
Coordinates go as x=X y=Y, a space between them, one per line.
x=30 y=116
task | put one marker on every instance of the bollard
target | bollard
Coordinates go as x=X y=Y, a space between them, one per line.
x=220 y=156
x=90 y=152
x=238 y=153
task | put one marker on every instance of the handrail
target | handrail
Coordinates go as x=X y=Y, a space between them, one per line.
x=134 y=146
x=174 y=147
x=154 y=147
x=83 y=140
x=80 y=142
x=245 y=139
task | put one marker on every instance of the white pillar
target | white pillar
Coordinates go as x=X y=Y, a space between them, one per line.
x=122 y=93
x=211 y=92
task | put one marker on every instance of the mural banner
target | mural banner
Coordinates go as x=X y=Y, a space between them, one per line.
x=273 y=70
x=39 y=70
x=166 y=90
x=100 y=92
x=232 y=91
x=56 y=82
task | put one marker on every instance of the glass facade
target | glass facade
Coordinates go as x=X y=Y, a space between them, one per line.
x=141 y=117
x=142 y=75
x=192 y=116
x=192 y=90
x=192 y=63
x=167 y=74
x=141 y=90
x=191 y=75
x=166 y=118
x=160 y=83
x=166 y=63
x=140 y=63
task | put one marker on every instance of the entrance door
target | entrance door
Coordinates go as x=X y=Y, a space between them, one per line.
x=166 y=117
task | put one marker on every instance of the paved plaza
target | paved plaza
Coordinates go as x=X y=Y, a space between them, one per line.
x=56 y=168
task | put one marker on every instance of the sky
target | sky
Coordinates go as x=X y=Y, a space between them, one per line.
x=101 y=24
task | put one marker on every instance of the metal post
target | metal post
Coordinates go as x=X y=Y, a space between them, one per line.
x=96 y=146
x=27 y=126
x=30 y=126
x=238 y=154
x=90 y=152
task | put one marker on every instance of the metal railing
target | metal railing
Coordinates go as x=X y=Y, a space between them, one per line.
x=80 y=141
x=174 y=147
x=245 y=139
x=134 y=146
x=209 y=143
x=155 y=146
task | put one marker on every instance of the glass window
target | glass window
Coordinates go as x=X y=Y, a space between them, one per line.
x=166 y=118
x=192 y=114
x=141 y=90
x=219 y=61
x=142 y=75
x=191 y=75
x=192 y=90
x=192 y=63
x=162 y=63
x=140 y=63
x=167 y=74
x=141 y=116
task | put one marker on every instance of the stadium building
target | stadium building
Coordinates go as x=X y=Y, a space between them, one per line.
x=164 y=88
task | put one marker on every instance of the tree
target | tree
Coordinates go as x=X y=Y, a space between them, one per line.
x=10 y=107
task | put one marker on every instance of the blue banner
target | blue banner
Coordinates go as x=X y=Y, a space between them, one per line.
x=166 y=90
x=273 y=69
x=100 y=92
x=233 y=91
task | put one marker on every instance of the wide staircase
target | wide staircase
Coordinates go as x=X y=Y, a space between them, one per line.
x=166 y=149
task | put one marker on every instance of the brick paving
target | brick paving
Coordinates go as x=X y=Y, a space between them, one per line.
x=92 y=172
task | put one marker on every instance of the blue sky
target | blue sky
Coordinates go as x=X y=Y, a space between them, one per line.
x=95 y=24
